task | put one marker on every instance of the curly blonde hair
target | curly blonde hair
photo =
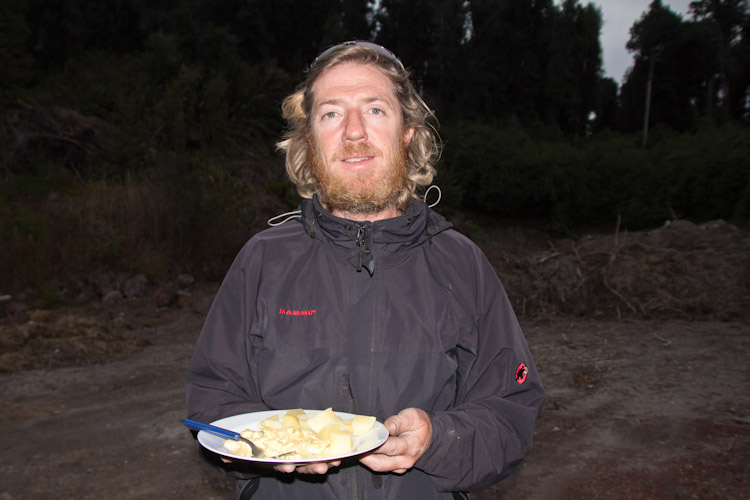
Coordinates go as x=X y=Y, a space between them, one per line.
x=423 y=150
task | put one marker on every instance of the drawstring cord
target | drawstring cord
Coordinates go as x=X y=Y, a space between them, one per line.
x=295 y=214
x=274 y=221
x=440 y=195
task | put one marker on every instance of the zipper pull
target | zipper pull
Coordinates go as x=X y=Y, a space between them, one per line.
x=361 y=245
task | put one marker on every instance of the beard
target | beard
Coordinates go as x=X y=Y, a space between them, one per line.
x=362 y=192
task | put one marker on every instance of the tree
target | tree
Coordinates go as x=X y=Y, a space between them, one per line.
x=654 y=39
x=575 y=67
x=428 y=37
x=739 y=84
x=15 y=60
x=507 y=57
x=724 y=20
x=606 y=105
x=63 y=29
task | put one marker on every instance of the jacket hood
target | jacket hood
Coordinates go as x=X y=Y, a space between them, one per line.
x=368 y=241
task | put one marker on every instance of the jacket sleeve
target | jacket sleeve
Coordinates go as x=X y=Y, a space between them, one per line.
x=499 y=394
x=219 y=382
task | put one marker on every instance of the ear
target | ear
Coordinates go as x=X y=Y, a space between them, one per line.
x=408 y=134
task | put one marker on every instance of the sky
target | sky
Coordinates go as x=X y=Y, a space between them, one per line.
x=618 y=17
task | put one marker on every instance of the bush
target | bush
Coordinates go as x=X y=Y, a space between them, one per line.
x=501 y=171
x=504 y=172
x=155 y=225
x=705 y=173
x=170 y=171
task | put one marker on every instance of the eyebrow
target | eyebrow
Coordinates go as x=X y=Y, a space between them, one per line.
x=335 y=101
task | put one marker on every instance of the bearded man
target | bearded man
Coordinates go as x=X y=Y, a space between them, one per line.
x=404 y=318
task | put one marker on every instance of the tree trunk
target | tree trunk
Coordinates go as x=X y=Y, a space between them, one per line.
x=647 y=111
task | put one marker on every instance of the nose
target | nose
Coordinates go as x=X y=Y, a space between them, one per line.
x=354 y=127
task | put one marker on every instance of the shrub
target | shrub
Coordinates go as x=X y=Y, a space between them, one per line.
x=504 y=172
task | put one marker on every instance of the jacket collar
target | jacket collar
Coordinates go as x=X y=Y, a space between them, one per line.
x=363 y=242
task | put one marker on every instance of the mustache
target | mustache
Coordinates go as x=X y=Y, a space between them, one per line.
x=357 y=149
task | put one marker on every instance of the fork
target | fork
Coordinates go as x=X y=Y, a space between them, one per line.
x=225 y=433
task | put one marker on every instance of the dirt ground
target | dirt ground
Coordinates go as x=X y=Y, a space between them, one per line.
x=641 y=403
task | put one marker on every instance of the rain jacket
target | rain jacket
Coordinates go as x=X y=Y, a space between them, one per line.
x=371 y=318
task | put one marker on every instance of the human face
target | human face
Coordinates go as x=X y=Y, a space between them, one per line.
x=359 y=141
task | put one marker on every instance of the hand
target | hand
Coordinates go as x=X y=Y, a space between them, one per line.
x=411 y=433
x=312 y=468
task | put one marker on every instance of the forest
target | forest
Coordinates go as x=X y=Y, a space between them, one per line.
x=139 y=137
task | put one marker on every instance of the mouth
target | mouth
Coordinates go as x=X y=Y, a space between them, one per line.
x=357 y=159
x=357 y=155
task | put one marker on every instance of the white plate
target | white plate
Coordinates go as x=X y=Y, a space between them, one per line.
x=238 y=423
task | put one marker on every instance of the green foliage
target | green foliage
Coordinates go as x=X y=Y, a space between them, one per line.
x=706 y=173
x=699 y=176
x=157 y=224
x=505 y=172
x=16 y=63
x=221 y=210
x=171 y=178
x=699 y=69
x=139 y=137
x=623 y=182
x=742 y=212
x=40 y=180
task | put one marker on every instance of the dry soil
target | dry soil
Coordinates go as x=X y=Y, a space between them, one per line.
x=637 y=407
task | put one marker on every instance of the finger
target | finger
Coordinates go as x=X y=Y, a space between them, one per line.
x=324 y=467
x=376 y=462
x=393 y=424
x=286 y=468
x=317 y=467
x=383 y=463
x=407 y=419
x=393 y=447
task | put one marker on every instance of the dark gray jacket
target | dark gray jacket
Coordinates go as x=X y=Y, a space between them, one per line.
x=371 y=318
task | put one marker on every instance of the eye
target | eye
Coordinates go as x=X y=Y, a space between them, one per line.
x=330 y=114
x=376 y=111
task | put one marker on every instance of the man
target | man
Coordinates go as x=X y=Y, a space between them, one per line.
x=368 y=303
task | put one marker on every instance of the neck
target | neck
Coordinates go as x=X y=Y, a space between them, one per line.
x=387 y=213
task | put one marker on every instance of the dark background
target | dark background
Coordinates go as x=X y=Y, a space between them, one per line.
x=137 y=155
x=138 y=136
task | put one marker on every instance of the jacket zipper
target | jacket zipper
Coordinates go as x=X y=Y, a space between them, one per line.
x=361 y=244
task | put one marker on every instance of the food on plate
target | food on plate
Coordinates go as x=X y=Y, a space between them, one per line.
x=362 y=424
x=340 y=442
x=289 y=421
x=298 y=435
x=322 y=420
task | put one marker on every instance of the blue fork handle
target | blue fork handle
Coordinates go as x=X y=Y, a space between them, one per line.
x=212 y=429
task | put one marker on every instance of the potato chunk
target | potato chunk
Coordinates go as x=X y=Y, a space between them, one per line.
x=270 y=423
x=341 y=443
x=362 y=424
x=289 y=422
x=322 y=420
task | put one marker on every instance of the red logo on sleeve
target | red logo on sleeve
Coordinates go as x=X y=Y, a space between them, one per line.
x=521 y=373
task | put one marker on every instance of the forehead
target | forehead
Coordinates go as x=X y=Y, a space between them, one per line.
x=353 y=81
